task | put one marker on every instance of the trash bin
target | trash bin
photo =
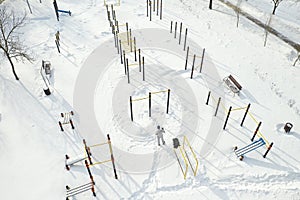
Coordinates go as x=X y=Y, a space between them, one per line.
x=176 y=143
x=287 y=127
x=47 y=91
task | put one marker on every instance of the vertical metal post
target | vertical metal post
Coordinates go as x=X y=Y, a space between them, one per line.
x=112 y=156
x=134 y=44
x=187 y=57
x=227 y=117
x=161 y=9
x=29 y=6
x=168 y=101
x=245 y=114
x=117 y=24
x=180 y=32
x=269 y=148
x=192 y=72
x=149 y=104
x=210 y=4
x=154 y=6
x=147 y=2
x=218 y=106
x=208 y=97
x=130 y=103
x=130 y=38
x=171 y=26
x=175 y=29
x=121 y=51
x=157 y=7
x=89 y=171
x=150 y=8
x=117 y=39
x=57 y=45
x=143 y=69
x=256 y=131
x=124 y=59
x=127 y=66
x=127 y=33
x=140 y=60
x=186 y=30
x=202 y=58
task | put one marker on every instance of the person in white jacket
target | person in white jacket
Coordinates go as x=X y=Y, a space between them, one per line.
x=160 y=136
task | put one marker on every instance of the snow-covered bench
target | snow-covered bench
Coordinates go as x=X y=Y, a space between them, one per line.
x=233 y=85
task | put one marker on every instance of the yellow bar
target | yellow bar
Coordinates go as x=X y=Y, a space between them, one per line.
x=196 y=56
x=185 y=162
x=159 y=92
x=213 y=98
x=140 y=99
x=253 y=117
x=194 y=155
x=98 y=163
x=95 y=145
x=133 y=64
x=238 y=109
x=262 y=136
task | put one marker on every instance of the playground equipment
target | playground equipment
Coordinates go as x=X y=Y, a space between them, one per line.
x=185 y=157
x=82 y=188
x=67 y=120
x=251 y=147
x=88 y=154
x=149 y=97
x=57 y=10
x=151 y=4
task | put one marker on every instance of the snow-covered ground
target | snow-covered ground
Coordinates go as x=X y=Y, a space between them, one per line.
x=89 y=79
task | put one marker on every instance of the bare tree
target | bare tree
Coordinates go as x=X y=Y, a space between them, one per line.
x=9 y=38
x=276 y=4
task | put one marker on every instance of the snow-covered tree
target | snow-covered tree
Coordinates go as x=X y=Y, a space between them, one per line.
x=9 y=38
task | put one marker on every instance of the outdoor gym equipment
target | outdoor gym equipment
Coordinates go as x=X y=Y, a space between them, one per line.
x=82 y=188
x=255 y=145
x=67 y=120
x=149 y=97
x=88 y=154
x=185 y=157
x=57 y=10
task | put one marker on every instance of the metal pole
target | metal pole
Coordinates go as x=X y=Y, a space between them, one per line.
x=127 y=70
x=175 y=29
x=245 y=114
x=210 y=4
x=218 y=106
x=154 y=6
x=256 y=131
x=180 y=32
x=140 y=60
x=202 y=58
x=157 y=7
x=150 y=10
x=186 y=30
x=134 y=43
x=161 y=9
x=124 y=62
x=171 y=26
x=192 y=72
x=130 y=103
x=269 y=148
x=187 y=57
x=127 y=33
x=168 y=101
x=130 y=40
x=147 y=2
x=208 y=97
x=112 y=156
x=143 y=69
x=121 y=51
x=117 y=38
x=149 y=104
x=227 y=117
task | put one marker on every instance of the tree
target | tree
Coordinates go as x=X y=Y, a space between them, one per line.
x=9 y=38
x=276 y=4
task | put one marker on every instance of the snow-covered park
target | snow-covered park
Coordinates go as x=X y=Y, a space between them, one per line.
x=223 y=81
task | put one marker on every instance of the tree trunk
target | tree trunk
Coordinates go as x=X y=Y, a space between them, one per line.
x=274 y=9
x=12 y=67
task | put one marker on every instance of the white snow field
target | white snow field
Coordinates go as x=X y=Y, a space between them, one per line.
x=89 y=79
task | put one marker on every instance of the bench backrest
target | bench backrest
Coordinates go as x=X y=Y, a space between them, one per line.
x=235 y=82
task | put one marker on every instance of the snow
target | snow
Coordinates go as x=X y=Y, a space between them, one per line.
x=89 y=79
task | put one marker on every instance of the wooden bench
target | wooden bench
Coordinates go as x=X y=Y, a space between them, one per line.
x=233 y=85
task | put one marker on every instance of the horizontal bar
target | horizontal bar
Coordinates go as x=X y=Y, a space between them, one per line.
x=140 y=99
x=95 y=145
x=159 y=92
x=98 y=163
x=238 y=108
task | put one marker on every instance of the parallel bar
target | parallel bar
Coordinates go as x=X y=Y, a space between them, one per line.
x=227 y=117
x=192 y=72
x=202 y=58
x=130 y=103
x=149 y=104
x=187 y=57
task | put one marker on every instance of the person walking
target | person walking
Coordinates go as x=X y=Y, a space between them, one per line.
x=160 y=136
